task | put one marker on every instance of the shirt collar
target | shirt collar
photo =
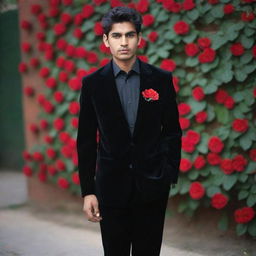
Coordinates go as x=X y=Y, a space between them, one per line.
x=135 y=67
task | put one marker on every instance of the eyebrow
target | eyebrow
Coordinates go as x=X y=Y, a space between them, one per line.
x=117 y=33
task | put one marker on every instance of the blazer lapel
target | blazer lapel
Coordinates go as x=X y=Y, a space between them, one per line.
x=146 y=81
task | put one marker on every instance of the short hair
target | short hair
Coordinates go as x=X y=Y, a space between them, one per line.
x=121 y=14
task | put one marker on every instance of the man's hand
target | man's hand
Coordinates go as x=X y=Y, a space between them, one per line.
x=91 y=208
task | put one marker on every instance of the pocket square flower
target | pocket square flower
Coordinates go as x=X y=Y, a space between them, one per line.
x=150 y=94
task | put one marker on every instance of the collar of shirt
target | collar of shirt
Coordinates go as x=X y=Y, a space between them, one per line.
x=117 y=70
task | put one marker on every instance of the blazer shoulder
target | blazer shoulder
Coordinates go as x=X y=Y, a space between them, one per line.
x=92 y=76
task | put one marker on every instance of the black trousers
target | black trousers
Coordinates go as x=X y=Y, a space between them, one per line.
x=137 y=228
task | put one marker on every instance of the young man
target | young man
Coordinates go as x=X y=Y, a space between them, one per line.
x=125 y=178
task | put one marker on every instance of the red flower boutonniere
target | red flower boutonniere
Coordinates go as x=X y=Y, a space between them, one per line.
x=150 y=94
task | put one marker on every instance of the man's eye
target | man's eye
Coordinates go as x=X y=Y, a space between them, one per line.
x=115 y=35
x=131 y=35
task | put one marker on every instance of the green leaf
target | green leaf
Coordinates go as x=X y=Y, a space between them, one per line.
x=229 y=181
x=182 y=206
x=193 y=14
x=222 y=114
x=162 y=53
x=245 y=141
x=193 y=174
x=246 y=57
x=193 y=204
x=251 y=200
x=162 y=16
x=243 y=177
x=240 y=75
x=243 y=194
x=223 y=222
x=217 y=11
x=249 y=31
x=191 y=61
x=252 y=228
x=202 y=146
x=211 y=190
x=253 y=189
x=223 y=132
x=247 y=42
x=241 y=229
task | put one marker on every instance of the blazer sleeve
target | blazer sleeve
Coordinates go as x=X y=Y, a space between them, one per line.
x=171 y=130
x=86 y=141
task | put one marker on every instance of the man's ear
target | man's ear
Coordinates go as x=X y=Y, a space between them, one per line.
x=105 y=40
x=139 y=36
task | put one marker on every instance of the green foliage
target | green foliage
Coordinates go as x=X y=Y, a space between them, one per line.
x=233 y=73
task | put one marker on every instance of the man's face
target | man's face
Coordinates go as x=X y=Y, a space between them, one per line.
x=122 y=36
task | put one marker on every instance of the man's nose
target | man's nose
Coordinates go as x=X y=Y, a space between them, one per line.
x=124 y=40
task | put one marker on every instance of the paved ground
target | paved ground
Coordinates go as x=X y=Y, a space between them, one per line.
x=26 y=230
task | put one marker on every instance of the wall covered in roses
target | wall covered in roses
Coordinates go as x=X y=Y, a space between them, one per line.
x=210 y=48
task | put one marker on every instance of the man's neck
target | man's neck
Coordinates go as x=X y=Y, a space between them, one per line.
x=125 y=65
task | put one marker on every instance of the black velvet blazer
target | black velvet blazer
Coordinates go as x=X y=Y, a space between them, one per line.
x=151 y=155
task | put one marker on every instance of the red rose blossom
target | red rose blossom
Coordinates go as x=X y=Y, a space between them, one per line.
x=213 y=158
x=148 y=20
x=185 y=165
x=198 y=93
x=74 y=108
x=240 y=125
x=199 y=162
x=221 y=96
x=181 y=28
x=201 y=117
x=63 y=183
x=226 y=166
x=244 y=215
x=228 y=8
x=186 y=145
x=58 y=124
x=98 y=29
x=204 y=42
x=219 y=200
x=247 y=16
x=152 y=36
x=188 y=5
x=207 y=55
x=191 y=49
x=215 y=144
x=168 y=64
x=75 y=178
x=239 y=163
x=184 y=109
x=252 y=154
x=27 y=170
x=196 y=190
x=184 y=123
x=142 y=6
x=237 y=49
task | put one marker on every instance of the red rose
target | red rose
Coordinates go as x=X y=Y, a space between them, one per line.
x=66 y=18
x=184 y=123
x=51 y=170
x=168 y=64
x=58 y=124
x=221 y=96
x=198 y=93
x=199 y=162
x=252 y=154
x=38 y=157
x=185 y=165
x=66 y=151
x=74 y=108
x=215 y=144
x=74 y=122
x=142 y=6
x=104 y=49
x=81 y=52
x=48 y=107
x=63 y=183
x=26 y=25
x=193 y=136
x=27 y=170
x=75 y=178
x=61 y=44
x=191 y=49
x=244 y=215
x=41 y=99
x=64 y=137
x=188 y=5
x=59 y=29
x=60 y=165
x=98 y=29
x=152 y=36
x=75 y=84
x=247 y=16
x=92 y=57
x=67 y=2
x=239 y=163
x=254 y=92
x=33 y=128
x=28 y=91
x=213 y=158
x=229 y=102
x=44 y=124
x=142 y=44
x=58 y=96
x=78 y=19
x=201 y=117
x=213 y=1
x=148 y=20
x=63 y=76
x=78 y=33
x=35 y=9
x=99 y=2
x=226 y=166
x=172 y=6
x=51 y=82
x=69 y=65
x=34 y=62
x=237 y=49
x=23 y=67
x=240 y=125
x=219 y=200
x=184 y=109
x=186 y=145
x=87 y=11
x=40 y=36
x=51 y=153
x=150 y=94
x=26 y=155
x=228 y=8
x=48 y=139
x=196 y=190
x=60 y=62
x=204 y=42
x=181 y=28
x=44 y=72
x=26 y=47
x=207 y=55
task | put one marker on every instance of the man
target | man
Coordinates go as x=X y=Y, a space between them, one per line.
x=125 y=178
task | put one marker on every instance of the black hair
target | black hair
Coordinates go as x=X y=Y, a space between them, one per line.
x=121 y=14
